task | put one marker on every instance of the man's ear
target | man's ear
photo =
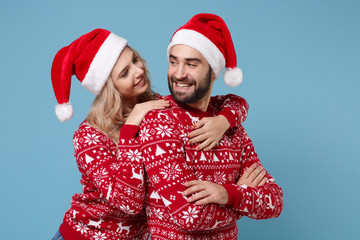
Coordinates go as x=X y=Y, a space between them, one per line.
x=213 y=78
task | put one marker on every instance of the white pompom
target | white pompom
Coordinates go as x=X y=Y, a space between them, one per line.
x=64 y=111
x=233 y=77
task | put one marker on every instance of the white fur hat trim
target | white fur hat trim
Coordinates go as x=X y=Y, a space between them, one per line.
x=233 y=76
x=64 y=111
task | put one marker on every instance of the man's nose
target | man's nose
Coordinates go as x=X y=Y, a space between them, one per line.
x=180 y=72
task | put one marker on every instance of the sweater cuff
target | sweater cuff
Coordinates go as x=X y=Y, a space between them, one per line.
x=128 y=131
x=230 y=117
x=237 y=195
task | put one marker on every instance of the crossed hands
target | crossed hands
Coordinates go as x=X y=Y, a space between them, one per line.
x=204 y=192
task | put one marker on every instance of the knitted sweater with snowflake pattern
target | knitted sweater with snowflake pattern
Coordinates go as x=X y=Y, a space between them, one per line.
x=170 y=161
x=111 y=204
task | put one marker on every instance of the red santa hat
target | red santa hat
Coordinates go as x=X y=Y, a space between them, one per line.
x=91 y=59
x=208 y=34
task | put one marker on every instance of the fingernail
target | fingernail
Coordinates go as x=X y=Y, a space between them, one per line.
x=197 y=148
x=190 y=142
x=194 y=126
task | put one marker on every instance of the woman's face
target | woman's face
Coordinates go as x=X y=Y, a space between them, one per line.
x=128 y=75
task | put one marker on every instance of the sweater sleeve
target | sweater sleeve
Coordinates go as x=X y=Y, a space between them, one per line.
x=233 y=107
x=168 y=169
x=116 y=174
x=255 y=202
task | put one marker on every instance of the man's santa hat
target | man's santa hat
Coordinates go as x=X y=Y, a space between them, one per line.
x=91 y=59
x=208 y=34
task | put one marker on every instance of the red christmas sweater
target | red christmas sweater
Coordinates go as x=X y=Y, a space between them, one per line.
x=111 y=204
x=170 y=161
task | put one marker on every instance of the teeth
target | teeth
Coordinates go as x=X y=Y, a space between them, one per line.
x=183 y=85
x=141 y=82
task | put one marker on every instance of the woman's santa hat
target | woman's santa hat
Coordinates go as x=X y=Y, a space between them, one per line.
x=91 y=59
x=208 y=34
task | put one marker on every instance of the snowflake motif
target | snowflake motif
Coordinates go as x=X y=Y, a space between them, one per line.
x=190 y=215
x=159 y=213
x=81 y=228
x=209 y=178
x=144 y=134
x=163 y=130
x=138 y=195
x=219 y=178
x=114 y=166
x=126 y=209
x=91 y=139
x=200 y=176
x=170 y=171
x=128 y=191
x=155 y=179
x=134 y=155
x=99 y=236
x=100 y=176
x=76 y=143
x=172 y=235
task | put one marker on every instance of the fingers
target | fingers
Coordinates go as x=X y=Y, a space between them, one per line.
x=204 y=144
x=198 y=196
x=263 y=181
x=199 y=128
x=157 y=104
x=256 y=172
x=200 y=192
x=196 y=136
x=193 y=187
x=253 y=176
x=213 y=144
x=206 y=200
x=259 y=177
x=249 y=171
x=201 y=123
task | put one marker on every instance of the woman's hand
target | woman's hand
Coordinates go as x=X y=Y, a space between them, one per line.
x=254 y=176
x=209 y=131
x=141 y=109
x=204 y=192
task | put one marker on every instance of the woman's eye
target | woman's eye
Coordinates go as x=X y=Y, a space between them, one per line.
x=135 y=59
x=124 y=74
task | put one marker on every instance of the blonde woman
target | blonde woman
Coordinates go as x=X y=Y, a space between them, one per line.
x=105 y=144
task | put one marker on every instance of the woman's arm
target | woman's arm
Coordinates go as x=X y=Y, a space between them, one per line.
x=108 y=173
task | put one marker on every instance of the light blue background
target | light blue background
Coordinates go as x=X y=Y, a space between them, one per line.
x=301 y=64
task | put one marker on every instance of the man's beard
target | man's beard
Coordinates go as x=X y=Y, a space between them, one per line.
x=200 y=90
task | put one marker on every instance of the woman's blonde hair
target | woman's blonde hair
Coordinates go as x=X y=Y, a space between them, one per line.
x=108 y=112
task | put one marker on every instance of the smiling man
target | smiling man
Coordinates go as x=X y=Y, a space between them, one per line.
x=190 y=78
x=197 y=53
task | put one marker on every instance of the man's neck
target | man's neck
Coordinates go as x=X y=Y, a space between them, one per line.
x=202 y=104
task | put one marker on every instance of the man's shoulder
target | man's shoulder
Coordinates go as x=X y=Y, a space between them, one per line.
x=161 y=114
